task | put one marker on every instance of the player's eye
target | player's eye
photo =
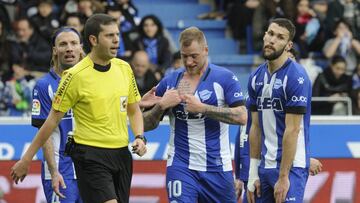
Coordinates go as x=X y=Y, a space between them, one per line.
x=194 y=56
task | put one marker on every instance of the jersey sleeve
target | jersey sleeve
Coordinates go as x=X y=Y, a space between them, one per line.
x=134 y=95
x=67 y=93
x=233 y=93
x=298 y=91
x=161 y=87
x=251 y=103
x=41 y=104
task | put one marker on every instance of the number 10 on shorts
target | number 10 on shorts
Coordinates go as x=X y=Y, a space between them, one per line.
x=174 y=188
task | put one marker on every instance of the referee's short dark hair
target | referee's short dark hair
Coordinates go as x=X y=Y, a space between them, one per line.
x=287 y=24
x=93 y=27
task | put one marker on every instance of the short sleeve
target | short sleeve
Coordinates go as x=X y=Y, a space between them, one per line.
x=233 y=94
x=298 y=91
x=41 y=104
x=134 y=95
x=251 y=103
x=67 y=93
x=161 y=87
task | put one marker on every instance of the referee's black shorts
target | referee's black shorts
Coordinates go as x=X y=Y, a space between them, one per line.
x=103 y=174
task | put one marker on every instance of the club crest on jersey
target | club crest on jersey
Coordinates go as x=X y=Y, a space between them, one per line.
x=36 y=106
x=205 y=94
x=277 y=84
x=123 y=103
x=269 y=103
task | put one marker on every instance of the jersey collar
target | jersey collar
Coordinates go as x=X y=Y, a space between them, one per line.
x=53 y=74
x=282 y=67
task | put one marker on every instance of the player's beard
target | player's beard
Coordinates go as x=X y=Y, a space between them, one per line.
x=274 y=55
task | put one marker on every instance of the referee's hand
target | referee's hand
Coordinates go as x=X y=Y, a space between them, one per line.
x=19 y=170
x=138 y=147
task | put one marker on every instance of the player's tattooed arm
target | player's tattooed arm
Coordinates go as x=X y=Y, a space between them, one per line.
x=235 y=115
x=152 y=117
x=231 y=115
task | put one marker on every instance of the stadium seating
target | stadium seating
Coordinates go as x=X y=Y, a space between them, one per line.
x=179 y=14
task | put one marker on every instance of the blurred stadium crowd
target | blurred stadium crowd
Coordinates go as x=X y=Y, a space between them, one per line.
x=327 y=41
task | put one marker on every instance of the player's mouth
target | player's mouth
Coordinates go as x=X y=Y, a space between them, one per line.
x=69 y=57
x=191 y=67
x=269 y=47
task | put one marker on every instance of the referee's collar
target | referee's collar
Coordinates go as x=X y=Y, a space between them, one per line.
x=102 y=68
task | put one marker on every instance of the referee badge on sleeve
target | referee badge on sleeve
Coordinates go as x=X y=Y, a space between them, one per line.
x=123 y=103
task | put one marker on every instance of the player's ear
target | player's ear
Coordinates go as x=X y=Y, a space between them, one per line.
x=206 y=50
x=289 y=45
x=54 y=51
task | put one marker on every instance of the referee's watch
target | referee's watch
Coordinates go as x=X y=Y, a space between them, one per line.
x=141 y=137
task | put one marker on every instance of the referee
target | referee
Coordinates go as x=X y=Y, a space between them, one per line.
x=102 y=92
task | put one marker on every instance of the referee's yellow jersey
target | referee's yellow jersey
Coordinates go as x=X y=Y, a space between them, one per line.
x=99 y=101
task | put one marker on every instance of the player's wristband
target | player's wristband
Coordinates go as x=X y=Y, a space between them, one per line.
x=253 y=174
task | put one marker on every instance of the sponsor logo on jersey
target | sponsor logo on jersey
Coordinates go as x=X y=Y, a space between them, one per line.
x=299 y=99
x=36 y=107
x=238 y=94
x=181 y=114
x=135 y=89
x=290 y=199
x=205 y=94
x=269 y=103
x=61 y=90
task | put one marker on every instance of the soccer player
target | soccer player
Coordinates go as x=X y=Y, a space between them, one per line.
x=67 y=51
x=242 y=150
x=102 y=92
x=202 y=99
x=280 y=98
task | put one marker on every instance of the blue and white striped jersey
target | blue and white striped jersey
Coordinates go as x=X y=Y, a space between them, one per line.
x=287 y=90
x=196 y=141
x=43 y=95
